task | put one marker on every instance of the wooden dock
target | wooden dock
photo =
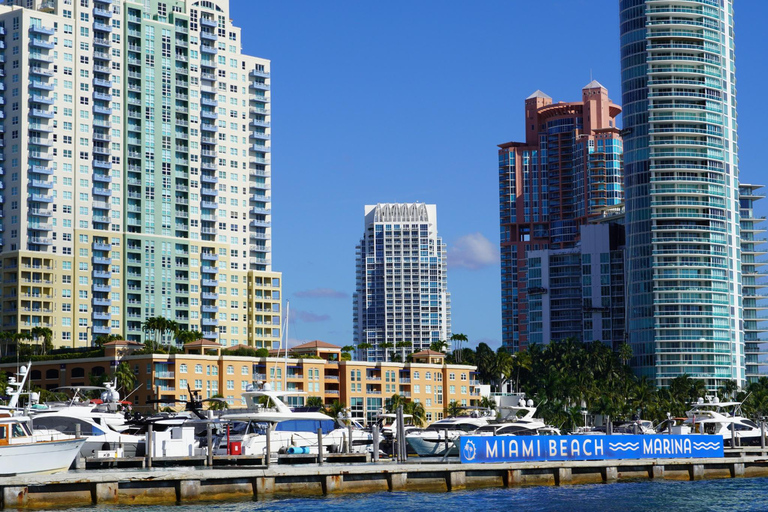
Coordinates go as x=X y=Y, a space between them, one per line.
x=187 y=484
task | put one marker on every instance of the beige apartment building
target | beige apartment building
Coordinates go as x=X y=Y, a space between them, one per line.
x=315 y=369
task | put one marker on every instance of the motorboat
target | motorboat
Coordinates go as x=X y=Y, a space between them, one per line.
x=290 y=431
x=106 y=431
x=518 y=420
x=711 y=416
x=24 y=453
x=438 y=438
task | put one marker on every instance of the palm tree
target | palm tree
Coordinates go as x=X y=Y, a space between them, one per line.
x=417 y=412
x=184 y=337
x=458 y=339
x=625 y=353
x=403 y=345
x=171 y=327
x=151 y=325
x=124 y=376
x=314 y=401
x=6 y=338
x=386 y=346
x=439 y=346
x=395 y=401
x=217 y=403
x=46 y=334
x=453 y=409
x=728 y=388
x=334 y=409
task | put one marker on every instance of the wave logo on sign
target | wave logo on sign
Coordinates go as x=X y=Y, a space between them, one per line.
x=706 y=446
x=624 y=447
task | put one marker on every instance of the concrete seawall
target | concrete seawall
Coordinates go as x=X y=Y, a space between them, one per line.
x=179 y=485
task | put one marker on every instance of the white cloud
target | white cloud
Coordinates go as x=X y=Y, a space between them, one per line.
x=473 y=251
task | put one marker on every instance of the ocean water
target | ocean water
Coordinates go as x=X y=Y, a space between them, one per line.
x=735 y=494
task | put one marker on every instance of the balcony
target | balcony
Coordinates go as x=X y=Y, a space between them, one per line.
x=39 y=29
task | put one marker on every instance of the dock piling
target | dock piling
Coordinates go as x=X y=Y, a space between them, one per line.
x=320 y=446
x=375 y=434
x=148 y=445
x=209 y=438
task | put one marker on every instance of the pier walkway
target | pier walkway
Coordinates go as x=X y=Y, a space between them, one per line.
x=185 y=484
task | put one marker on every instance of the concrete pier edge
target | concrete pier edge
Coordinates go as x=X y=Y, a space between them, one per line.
x=188 y=485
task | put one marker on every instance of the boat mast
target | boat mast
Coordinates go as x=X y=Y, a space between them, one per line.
x=285 y=337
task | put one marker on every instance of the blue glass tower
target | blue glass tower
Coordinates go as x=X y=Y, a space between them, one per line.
x=681 y=182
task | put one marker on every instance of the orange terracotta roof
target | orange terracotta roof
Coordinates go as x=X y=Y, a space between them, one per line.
x=315 y=344
x=203 y=343
x=121 y=343
x=428 y=352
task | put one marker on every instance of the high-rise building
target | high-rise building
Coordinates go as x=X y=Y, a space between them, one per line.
x=135 y=172
x=567 y=172
x=753 y=285
x=579 y=292
x=401 y=301
x=682 y=190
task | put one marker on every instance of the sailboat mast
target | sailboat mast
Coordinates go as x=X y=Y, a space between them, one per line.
x=285 y=337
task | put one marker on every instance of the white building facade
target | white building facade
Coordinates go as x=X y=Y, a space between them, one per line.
x=401 y=302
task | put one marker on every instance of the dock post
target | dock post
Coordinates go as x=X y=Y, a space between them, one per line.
x=320 y=446
x=209 y=438
x=733 y=435
x=445 y=433
x=148 y=445
x=268 y=455
x=762 y=434
x=349 y=438
x=78 y=435
x=375 y=433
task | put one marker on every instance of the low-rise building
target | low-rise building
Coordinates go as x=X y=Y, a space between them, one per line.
x=316 y=369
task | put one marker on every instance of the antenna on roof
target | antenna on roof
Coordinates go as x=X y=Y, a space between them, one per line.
x=590 y=74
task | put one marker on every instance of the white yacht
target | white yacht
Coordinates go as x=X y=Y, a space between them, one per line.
x=518 y=420
x=439 y=437
x=103 y=427
x=290 y=431
x=711 y=416
x=21 y=451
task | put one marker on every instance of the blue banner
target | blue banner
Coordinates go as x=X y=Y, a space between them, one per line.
x=587 y=447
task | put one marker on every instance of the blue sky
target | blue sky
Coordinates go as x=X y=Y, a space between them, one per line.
x=406 y=101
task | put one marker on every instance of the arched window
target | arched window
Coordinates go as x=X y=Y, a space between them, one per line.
x=97 y=371
x=52 y=374
x=77 y=372
x=36 y=375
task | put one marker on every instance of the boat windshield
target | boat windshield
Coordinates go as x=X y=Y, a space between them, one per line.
x=304 y=425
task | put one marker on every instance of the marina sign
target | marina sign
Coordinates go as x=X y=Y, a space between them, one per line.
x=587 y=447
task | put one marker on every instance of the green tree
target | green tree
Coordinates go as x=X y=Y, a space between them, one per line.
x=334 y=409
x=183 y=337
x=416 y=410
x=386 y=346
x=625 y=353
x=126 y=380
x=314 y=401
x=457 y=340
x=217 y=403
x=439 y=346
x=453 y=409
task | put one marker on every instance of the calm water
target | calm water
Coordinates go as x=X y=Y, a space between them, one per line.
x=738 y=495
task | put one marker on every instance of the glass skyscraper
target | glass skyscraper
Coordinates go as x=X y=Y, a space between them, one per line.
x=685 y=311
x=401 y=301
x=567 y=173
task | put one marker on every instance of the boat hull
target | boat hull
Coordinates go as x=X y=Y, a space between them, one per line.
x=431 y=446
x=38 y=457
